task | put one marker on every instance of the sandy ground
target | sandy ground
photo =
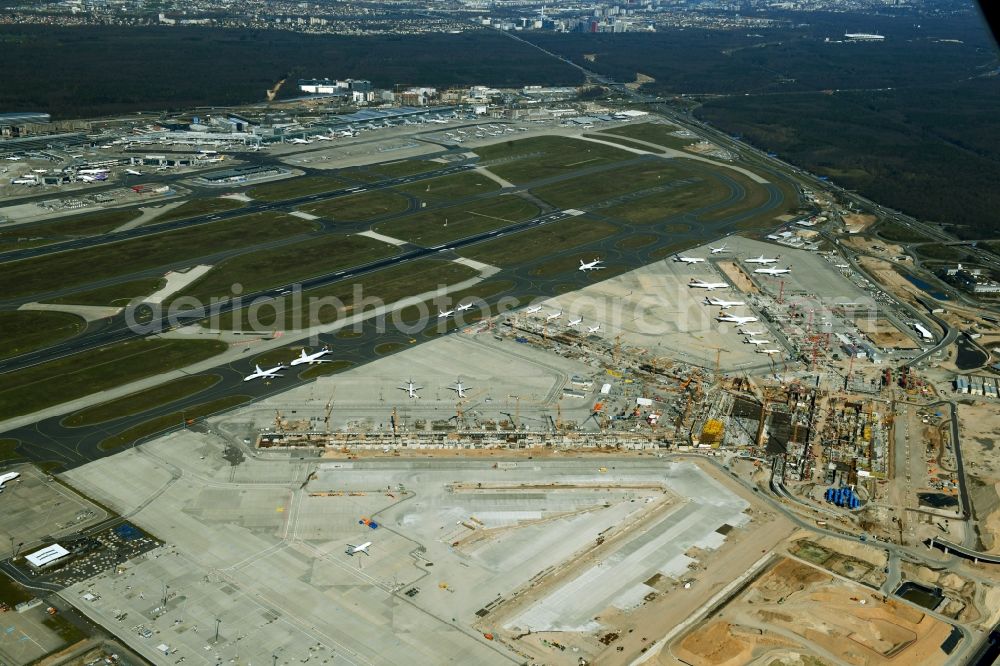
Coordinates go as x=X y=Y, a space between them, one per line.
x=883 y=334
x=856 y=222
x=980 y=432
x=822 y=614
x=884 y=274
x=735 y=273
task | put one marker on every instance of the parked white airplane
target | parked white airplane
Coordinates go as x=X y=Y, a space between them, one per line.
x=701 y=284
x=735 y=319
x=410 y=388
x=756 y=342
x=301 y=141
x=554 y=315
x=10 y=476
x=593 y=329
x=353 y=550
x=459 y=388
x=323 y=137
x=751 y=334
x=445 y=313
x=133 y=172
x=315 y=357
x=717 y=250
x=762 y=260
x=768 y=351
x=264 y=374
x=725 y=305
x=575 y=322
x=773 y=271
x=591 y=265
x=688 y=260
x=463 y=308
x=533 y=309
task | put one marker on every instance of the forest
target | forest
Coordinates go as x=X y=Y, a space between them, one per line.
x=79 y=72
x=910 y=122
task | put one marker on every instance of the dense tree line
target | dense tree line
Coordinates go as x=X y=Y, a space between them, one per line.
x=88 y=71
x=930 y=152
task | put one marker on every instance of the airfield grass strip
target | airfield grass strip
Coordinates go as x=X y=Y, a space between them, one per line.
x=78 y=226
x=288 y=264
x=118 y=294
x=292 y=188
x=387 y=286
x=453 y=186
x=446 y=224
x=27 y=330
x=527 y=246
x=64 y=379
x=167 y=421
x=524 y=160
x=198 y=207
x=362 y=206
x=65 y=269
x=141 y=401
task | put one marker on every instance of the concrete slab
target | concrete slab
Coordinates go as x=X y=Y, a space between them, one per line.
x=304 y=215
x=382 y=237
x=88 y=312
x=254 y=546
x=177 y=280
x=486 y=269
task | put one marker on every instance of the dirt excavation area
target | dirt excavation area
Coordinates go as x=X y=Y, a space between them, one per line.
x=797 y=609
x=980 y=434
x=738 y=277
x=884 y=334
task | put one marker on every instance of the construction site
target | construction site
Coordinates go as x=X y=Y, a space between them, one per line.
x=636 y=362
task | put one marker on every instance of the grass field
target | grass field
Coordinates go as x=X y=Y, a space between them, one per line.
x=324 y=369
x=899 y=233
x=537 y=243
x=607 y=185
x=397 y=169
x=197 y=207
x=942 y=252
x=290 y=188
x=660 y=205
x=526 y=160
x=449 y=188
x=288 y=264
x=429 y=228
x=118 y=294
x=48 y=273
x=8 y=451
x=652 y=132
x=364 y=206
x=72 y=377
x=141 y=401
x=77 y=226
x=635 y=241
x=172 y=420
x=388 y=285
x=27 y=330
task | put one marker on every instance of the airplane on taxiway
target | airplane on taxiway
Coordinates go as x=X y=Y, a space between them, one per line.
x=264 y=374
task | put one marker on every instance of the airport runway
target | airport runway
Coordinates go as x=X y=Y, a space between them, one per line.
x=50 y=442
